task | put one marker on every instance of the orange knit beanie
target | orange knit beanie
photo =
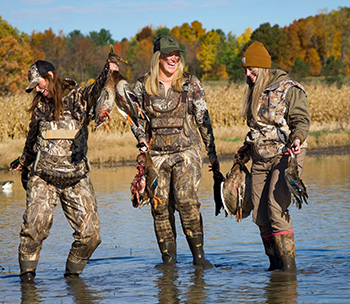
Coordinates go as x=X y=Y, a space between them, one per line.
x=256 y=56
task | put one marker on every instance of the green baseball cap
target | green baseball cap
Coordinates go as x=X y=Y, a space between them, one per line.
x=166 y=44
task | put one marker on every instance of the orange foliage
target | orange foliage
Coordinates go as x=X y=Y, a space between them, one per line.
x=14 y=63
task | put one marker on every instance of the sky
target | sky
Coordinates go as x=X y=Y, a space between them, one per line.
x=124 y=19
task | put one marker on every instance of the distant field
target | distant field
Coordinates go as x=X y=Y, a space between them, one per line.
x=329 y=109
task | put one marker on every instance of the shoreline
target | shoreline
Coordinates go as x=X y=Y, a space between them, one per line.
x=316 y=152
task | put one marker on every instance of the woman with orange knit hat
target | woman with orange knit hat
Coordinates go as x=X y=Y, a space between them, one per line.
x=276 y=110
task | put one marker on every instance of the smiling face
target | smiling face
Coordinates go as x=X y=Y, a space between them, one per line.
x=252 y=73
x=168 y=63
x=42 y=87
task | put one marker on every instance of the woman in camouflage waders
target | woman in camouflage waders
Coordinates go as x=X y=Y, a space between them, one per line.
x=175 y=105
x=56 y=149
x=277 y=114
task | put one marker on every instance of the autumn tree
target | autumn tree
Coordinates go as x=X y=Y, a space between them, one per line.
x=142 y=58
x=81 y=57
x=206 y=55
x=47 y=46
x=15 y=59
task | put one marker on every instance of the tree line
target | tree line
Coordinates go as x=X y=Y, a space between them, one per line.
x=315 y=46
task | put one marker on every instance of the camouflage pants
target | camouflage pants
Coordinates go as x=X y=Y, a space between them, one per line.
x=79 y=206
x=270 y=194
x=179 y=176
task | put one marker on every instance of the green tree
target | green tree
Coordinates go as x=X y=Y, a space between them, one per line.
x=160 y=32
x=275 y=40
x=300 y=69
x=101 y=38
x=333 y=71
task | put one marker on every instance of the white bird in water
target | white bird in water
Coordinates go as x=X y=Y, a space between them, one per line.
x=6 y=185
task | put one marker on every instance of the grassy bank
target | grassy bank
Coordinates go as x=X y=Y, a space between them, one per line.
x=329 y=110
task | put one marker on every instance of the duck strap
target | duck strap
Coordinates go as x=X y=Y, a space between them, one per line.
x=185 y=86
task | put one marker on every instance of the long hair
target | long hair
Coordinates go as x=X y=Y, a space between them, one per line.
x=252 y=93
x=56 y=90
x=152 y=78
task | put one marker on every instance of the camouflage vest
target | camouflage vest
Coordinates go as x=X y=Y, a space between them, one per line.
x=270 y=133
x=61 y=151
x=168 y=127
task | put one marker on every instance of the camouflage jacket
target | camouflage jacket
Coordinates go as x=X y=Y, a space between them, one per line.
x=283 y=115
x=173 y=124
x=59 y=147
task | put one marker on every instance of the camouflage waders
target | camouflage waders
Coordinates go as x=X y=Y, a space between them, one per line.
x=178 y=182
x=79 y=206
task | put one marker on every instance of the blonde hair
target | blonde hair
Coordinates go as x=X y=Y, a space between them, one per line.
x=152 y=78
x=252 y=93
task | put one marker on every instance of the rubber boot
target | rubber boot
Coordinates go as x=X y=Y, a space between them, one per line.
x=168 y=250
x=196 y=246
x=286 y=250
x=272 y=253
x=74 y=269
x=28 y=271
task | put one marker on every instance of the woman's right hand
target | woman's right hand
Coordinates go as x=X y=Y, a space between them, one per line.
x=143 y=146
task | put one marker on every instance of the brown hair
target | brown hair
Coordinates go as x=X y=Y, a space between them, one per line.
x=55 y=88
x=152 y=78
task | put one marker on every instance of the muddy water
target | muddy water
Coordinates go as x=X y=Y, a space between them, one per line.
x=122 y=268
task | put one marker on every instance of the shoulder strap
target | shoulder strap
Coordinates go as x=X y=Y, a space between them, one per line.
x=185 y=86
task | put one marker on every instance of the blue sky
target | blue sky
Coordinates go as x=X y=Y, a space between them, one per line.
x=126 y=18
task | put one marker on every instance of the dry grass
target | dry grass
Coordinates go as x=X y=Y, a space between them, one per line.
x=329 y=109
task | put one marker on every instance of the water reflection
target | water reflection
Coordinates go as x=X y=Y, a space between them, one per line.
x=166 y=283
x=81 y=292
x=282 y=288
x=30 y=294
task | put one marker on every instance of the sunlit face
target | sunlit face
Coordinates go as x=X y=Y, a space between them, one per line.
x=41 y=87
x=252 y=73
x=169 y=62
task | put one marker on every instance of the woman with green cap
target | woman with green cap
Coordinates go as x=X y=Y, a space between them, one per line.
x=175 y=105
x=276 y=110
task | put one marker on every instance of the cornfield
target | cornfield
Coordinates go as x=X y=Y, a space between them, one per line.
x=329 y=109
x=329 y=106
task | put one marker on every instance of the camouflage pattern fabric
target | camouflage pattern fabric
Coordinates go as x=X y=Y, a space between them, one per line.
x=178 y=182
x=78 y=111
x=285 y=244
x=174 y=126
x=79 y=206
x=270 y=133
x=59 y=174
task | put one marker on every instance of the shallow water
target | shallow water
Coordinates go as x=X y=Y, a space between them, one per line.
x=122 y=268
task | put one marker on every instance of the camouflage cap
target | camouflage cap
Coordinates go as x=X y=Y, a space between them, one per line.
x=39 y=68
x=166 y=44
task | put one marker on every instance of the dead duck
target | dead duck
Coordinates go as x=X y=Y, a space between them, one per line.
x=294 y=182
x=236 y=190
x=115 y=91
x=145 y=182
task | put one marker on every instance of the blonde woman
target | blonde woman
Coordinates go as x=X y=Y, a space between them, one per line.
x=276 y=110
x=178 y=120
